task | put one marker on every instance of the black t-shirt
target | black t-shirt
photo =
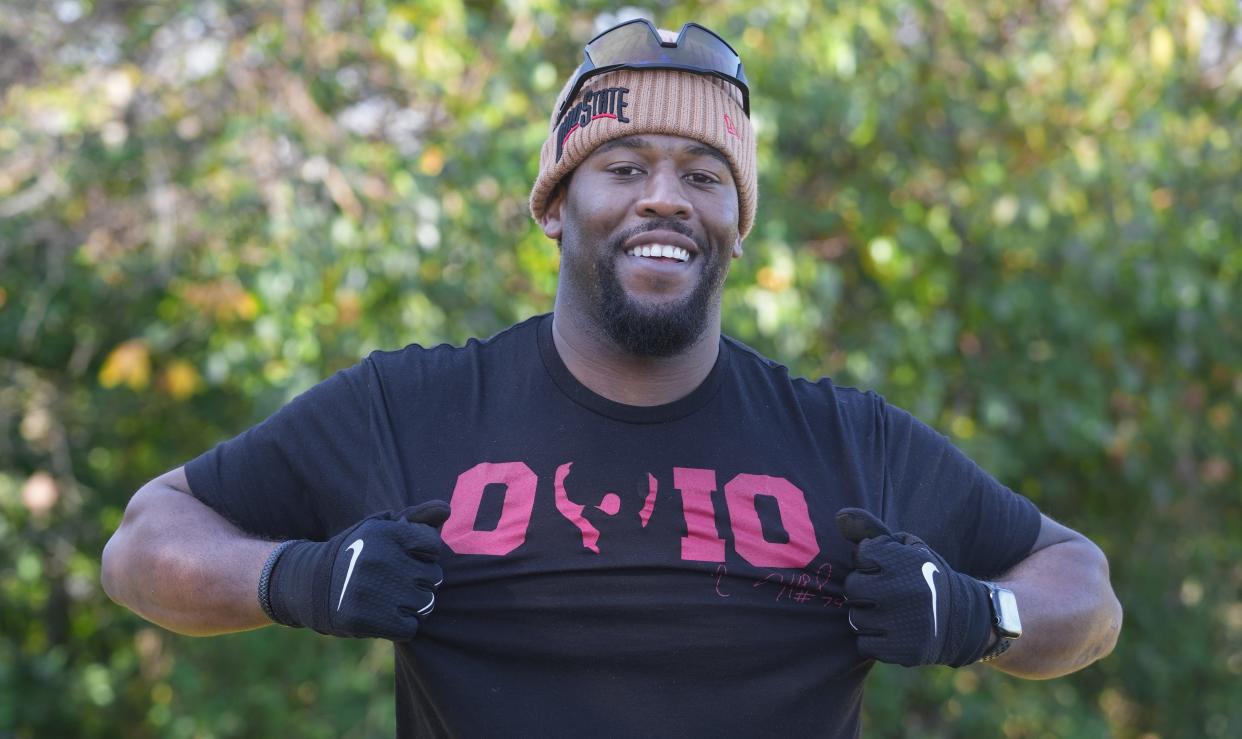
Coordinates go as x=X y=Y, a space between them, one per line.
x=609 y=569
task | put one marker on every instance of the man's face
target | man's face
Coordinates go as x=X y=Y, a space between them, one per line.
x=670 y=197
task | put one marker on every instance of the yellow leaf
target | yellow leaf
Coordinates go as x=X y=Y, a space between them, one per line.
x=246 y=306
x=1161 y=47
x=771 y=279
x=129 y=363
x=180 y=379
x=226 y=299
x=432 y=161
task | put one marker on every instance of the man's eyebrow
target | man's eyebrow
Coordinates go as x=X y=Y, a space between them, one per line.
x=629 y=142
x=703 y=150
x=638 y=143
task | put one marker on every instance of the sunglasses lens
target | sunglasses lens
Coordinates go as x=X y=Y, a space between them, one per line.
x=702 y=48
x=628 y=43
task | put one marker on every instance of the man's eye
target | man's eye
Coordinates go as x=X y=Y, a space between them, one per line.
x=699 y=178
x=625 y=170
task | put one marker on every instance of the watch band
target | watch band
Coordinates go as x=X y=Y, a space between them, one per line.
x=1000 y=647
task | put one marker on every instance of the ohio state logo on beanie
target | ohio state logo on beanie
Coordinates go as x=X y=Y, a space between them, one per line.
x=608 y=102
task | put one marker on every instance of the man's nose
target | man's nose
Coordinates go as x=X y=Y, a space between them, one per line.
x=664 y=196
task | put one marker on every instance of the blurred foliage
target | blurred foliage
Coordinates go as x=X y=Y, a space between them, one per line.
x=1020 y=220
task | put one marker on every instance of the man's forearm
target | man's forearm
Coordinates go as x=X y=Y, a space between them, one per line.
x=1070 y=616
x=179 y=564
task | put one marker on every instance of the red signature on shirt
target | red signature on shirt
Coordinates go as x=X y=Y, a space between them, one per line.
x=798 y=587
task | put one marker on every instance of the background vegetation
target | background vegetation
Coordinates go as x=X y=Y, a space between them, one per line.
x=1021 y=220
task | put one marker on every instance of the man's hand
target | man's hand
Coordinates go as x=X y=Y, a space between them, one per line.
x=907 y=605
x=375 y=579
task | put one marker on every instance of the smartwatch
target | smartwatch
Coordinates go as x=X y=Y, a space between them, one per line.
x=1005 y=620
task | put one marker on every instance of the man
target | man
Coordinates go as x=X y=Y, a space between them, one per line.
x=650 y=529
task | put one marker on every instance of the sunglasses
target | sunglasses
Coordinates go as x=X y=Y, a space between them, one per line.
x=636 y=44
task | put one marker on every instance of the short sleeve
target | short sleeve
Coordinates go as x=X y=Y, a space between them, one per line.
x=295 y=474
x=933 y=490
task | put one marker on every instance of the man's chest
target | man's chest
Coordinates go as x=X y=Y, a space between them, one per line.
x=722 y=519
x=708 y=546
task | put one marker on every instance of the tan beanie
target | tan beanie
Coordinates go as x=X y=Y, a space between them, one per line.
x=660 y=101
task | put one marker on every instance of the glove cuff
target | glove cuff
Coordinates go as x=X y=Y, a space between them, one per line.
x=975 y=612
x=265 y=577
x=295 y=583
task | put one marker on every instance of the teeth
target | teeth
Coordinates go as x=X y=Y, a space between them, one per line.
x=660 y=250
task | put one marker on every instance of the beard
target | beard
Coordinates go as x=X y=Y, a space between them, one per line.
x=666 y=328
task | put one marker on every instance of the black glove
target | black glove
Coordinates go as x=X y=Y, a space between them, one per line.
x=375 y=579
x=907 y=604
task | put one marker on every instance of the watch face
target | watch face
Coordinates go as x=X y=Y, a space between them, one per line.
x=1010 y=625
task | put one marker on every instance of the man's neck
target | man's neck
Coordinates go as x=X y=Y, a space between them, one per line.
x=607 y=370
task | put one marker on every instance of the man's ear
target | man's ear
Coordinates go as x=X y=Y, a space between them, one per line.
x=551 y=220
x=737 y=249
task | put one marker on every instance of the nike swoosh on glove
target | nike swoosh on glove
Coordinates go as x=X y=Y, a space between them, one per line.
x=907 y=604
x=376 y=579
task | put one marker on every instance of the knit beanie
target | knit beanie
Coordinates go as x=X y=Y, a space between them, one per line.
x=658 y=101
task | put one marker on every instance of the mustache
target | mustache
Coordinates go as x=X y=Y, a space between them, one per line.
x=661 y=224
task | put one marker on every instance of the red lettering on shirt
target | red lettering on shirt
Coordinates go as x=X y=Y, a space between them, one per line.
x=748 y=537
x=459 y=531
x=701 y=543
x=572 y=511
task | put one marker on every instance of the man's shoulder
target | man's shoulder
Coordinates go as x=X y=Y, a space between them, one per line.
x=521 y=336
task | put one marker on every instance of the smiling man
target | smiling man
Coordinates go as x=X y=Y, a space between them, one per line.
x=652 y=282
x=647 y=227
x=612 y=520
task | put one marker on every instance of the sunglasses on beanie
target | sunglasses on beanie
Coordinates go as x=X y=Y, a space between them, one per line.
x=636 y=44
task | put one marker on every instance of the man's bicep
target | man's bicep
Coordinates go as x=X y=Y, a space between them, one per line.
x=1059 y=543
x=166 y=501
x=171 y=495
x=1051 y=532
